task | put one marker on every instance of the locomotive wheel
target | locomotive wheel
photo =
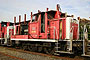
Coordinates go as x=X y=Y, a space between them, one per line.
x=49 y=50
x=40 y=49
x=32 y=48
x=24 y=47
x=29 y=48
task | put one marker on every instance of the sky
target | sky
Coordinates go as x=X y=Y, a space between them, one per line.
x=11 y=8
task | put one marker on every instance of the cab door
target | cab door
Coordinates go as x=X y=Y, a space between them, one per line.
x=42 y=27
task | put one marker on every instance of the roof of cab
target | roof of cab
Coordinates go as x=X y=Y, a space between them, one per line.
x=44 y=12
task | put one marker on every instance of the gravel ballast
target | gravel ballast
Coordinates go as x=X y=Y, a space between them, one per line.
x=26 y=56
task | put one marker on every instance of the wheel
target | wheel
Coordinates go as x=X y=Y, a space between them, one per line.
x=32 y=48
x=24 y=47
x=49 y=50
x=39 y=49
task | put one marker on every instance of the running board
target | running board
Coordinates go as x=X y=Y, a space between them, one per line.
x=4 y=44
x=56 y=54
x=85 y=55
x=64 y=52
x=9 y=45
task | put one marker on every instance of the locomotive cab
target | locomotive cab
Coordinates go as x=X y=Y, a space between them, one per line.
x=41 y=24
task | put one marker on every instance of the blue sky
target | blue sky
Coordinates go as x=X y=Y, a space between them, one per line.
x=11 y=8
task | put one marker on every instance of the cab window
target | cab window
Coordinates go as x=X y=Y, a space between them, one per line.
x=35 y=18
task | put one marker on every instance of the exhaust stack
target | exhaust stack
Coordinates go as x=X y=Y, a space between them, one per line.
x=47 y=9
x=78 y=18
x=58 y=7
x=24 y=18
x=14 y=20
x=31 y=17
x=19 y=24
x=19 y=19
x=14 y=26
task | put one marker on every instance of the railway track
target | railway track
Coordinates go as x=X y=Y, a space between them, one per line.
x=9 y=56
x=36 y=53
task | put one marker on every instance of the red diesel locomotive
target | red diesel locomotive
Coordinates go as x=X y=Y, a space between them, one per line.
x=51 y=32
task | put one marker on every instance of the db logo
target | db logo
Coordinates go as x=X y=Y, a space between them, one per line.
x=33 y=28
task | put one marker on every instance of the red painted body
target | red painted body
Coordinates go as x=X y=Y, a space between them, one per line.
x=54 y=29
x=33 y=30
x=3 y=29
x=4 y=32
x=63 y=28
x=19 y=36
x=46 y=25
x=75 y=31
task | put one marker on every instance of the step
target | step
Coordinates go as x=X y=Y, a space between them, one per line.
x=88 y=43
x=56 y=54
x=57 y=43
x=88 y=48
x=9 y=45
x=64 y=52
x=57 y=47
x=85 y=55
x=88 y=53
